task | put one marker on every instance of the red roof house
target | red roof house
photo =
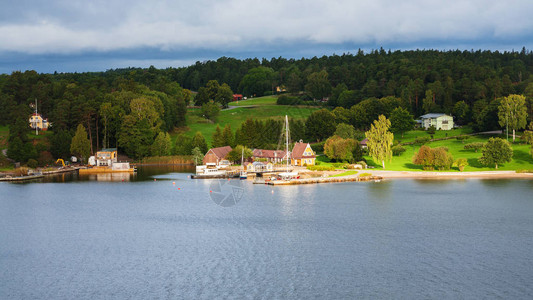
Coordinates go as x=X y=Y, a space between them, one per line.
x=216 y=155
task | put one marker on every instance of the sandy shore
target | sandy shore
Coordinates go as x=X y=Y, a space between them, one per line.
x=432 y=174
x=449 y=175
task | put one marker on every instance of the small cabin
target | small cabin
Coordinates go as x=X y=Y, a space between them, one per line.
x=106 y=157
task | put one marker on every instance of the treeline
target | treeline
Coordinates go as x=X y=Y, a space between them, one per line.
x=120 y=113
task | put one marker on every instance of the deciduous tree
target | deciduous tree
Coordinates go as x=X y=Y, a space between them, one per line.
x=496 y=151
x=401 y=120
x=379 y=140
x=512 y=112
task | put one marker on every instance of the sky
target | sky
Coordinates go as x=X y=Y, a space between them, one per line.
x=97 y=35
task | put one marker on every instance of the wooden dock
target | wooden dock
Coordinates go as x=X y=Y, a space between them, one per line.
x=21 y=178
x=323 y=180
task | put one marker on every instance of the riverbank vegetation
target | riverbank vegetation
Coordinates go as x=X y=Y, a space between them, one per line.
x=131 y=108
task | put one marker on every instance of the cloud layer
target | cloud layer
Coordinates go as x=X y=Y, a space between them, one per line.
x=67 y=27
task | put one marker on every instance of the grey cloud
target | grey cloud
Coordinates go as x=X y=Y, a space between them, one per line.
x=70 y=26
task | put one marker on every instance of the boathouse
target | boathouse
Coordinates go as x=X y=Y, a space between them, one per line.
x=216 y=156
x=106 y=157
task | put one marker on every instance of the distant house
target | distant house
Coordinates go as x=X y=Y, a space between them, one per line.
x=273 y=156
x=106 y=157
x=439 y=120
x=237 y=97
x=217 y=156
x=37 y=122
x=363 y=143
x=302 y=154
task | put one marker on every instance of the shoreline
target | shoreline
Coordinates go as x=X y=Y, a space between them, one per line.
x=449 y=175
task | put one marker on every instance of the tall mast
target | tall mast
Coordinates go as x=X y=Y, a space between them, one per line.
x=287 y=140
x=36 y=132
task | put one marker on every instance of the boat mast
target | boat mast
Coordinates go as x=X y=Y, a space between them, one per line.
x=35 y=123
x=287 y=140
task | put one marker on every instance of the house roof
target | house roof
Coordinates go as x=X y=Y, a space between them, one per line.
x=220 y=152
x=108 y=150
x=262 y=153
x=363 y=142
x=299 y=149
x=432 y=115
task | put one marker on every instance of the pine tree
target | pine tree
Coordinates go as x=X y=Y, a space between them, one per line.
x=218 y=140
x=227 y=136
x=80 y=145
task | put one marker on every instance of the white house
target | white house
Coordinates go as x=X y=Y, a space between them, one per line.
x=439 y=120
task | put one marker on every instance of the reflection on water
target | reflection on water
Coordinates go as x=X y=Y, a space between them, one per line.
x=143 y=173
x=167 y=239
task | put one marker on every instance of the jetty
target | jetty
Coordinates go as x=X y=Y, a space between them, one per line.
x=323 y=180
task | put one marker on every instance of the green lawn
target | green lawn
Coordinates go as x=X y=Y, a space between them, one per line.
x=521 y=157
x=267 y=100
x=439 y=134
x=236 y=116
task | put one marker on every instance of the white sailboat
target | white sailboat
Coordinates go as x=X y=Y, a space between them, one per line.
x=287 y=175
x=243 y=174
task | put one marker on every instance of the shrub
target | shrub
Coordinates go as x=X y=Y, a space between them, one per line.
x=32 y=163
x=363 y=163
x=443 y=160
x=398 y=150
x=421 y=140
x=287 y=100
x=431 y=130
x=461 y=163
x=462 y=138
x=321 y=168
x=424 y=157
x=474 y=146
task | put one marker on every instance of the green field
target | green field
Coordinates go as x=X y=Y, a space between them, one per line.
x=235 y=116
x=268 y=100
x=522 y=159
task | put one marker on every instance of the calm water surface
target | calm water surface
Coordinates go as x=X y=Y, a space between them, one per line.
x=78 y=238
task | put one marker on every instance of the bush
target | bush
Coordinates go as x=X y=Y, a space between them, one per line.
x=443 y=160
x=462 y=138
x=339 y=165
x=398 y=150
x=363 y=163
x=320 y=168
x=461 y=163
x=431 y=158
x=287 y=100
x=421 y=140
x=32 y=163
x=474 y=146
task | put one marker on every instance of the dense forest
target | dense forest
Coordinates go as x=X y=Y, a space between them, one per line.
x=130 y=107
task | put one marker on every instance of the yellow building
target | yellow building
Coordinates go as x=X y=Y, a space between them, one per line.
x=106 y=157
x=302 y=155
x=37 y=122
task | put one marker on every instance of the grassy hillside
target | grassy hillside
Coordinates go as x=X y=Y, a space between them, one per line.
x=263 y=108
x=521 y=157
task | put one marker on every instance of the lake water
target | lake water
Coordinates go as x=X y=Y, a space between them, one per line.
x=78 y=238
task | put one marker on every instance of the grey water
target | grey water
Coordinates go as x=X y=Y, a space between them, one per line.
x=162 y=235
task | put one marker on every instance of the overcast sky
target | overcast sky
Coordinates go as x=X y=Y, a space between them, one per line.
x=96 y=35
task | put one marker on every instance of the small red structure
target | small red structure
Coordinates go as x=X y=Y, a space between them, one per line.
x=237 y=97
